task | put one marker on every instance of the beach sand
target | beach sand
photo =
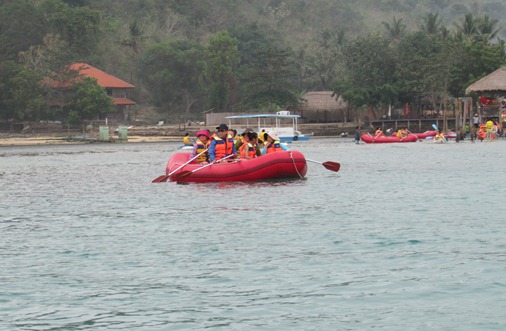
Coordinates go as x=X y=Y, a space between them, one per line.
x=54 y=139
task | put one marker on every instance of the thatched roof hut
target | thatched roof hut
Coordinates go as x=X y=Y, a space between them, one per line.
x=494 y=82
x=322 y=100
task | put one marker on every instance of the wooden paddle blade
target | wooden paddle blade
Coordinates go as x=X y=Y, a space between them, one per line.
x=160 y=179
x=333 y=166
x=183 y=174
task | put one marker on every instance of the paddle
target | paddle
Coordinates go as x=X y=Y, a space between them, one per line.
x=188 y=173
x=163 y=178
x=332 y=166
x=434 y=126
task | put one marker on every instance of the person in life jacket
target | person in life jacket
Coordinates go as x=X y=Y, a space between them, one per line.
x=244 y=139
x=439 y=137
x=272 y=143
x=201 y=145
x=249 y=149
x=221 y=145
x=482 y=134
x=378 y=132
x=186 y=140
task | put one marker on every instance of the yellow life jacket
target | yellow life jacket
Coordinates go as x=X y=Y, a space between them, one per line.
x=200 y=148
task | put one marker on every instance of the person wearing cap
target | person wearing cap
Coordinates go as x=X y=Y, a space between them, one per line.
x=222 y=144
x=201 y=145
x=273 y=144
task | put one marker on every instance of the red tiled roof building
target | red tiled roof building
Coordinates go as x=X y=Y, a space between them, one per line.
x=114 y=87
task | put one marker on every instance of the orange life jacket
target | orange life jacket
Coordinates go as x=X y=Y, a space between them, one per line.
x=223 y=147
x=274 y=147
x=248 y=149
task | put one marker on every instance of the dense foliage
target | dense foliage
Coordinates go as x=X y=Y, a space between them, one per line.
x=190 y=56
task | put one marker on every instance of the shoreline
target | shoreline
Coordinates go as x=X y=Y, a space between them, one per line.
x=13 y=140
x=48 y=139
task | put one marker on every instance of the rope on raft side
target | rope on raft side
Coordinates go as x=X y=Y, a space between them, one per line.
x=293 y=161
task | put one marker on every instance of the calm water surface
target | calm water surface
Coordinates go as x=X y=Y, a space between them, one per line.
x=403 y=237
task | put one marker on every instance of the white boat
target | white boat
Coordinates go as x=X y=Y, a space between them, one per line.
x=283 y=123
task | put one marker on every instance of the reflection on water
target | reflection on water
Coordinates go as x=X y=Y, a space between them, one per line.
x=403 y=237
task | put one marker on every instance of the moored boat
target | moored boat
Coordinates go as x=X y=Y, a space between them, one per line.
x=369 y=139
x=283 y=123
x=283 y=164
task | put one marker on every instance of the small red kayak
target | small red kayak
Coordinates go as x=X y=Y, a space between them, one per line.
x=368 y=139
x=283 y=164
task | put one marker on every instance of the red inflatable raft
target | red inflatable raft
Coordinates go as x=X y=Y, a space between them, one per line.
x=284 y=164
x=368 y=139
x=426 y=134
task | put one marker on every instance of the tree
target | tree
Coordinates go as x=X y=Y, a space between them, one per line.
x=21 y=95
x=221 y=60
x=477 y=60
x=79 y=27
x=172 y=72
x=266 y=73
x=326 y=57
x=370 y=79
x=51 y=60
x=133 y=41
x=432 y=24
x=487 y=27
x=268 y=81
x=396 y=30
x=88 y=100
x=428 y=66
x=21 y=26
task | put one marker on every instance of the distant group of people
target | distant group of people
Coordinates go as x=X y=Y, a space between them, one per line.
x=489 y=130
x=226 y=144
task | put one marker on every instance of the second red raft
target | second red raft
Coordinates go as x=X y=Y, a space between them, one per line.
x=368 y=139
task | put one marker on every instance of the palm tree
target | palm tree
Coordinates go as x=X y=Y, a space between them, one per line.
x=396 y=30
x=486 y=27
x=432 y=24
x=468 y=26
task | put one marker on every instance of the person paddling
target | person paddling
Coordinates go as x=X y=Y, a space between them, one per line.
x=201 y=145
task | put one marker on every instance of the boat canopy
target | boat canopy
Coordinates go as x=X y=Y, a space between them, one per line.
x=278 y=117
x=263 y=116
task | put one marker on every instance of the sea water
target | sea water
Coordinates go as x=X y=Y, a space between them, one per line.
x=404 y=237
